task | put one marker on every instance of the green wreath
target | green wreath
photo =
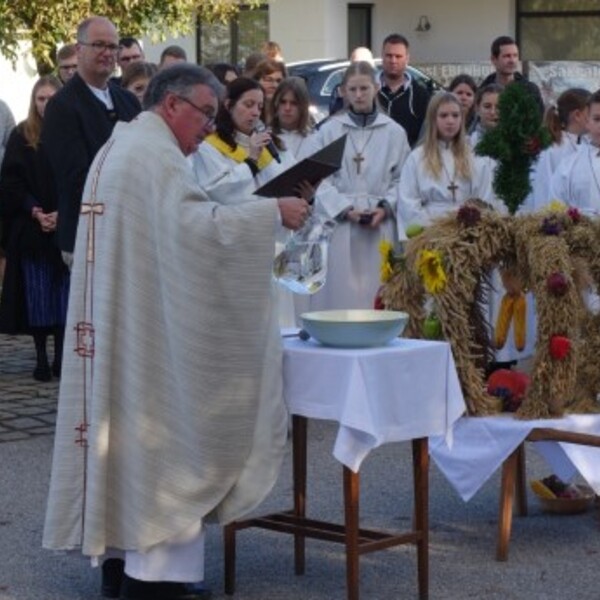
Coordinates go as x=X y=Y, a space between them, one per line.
x=515 y=143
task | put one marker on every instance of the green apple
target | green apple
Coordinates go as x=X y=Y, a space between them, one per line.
x=413 y=230
x=432 y=328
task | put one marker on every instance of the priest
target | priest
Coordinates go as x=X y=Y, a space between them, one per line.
x=170 y=407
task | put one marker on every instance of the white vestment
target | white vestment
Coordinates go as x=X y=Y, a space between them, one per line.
x=577 y=180
x=353 y=272
x=170 y=408
x=547 y=164
x=423 y=197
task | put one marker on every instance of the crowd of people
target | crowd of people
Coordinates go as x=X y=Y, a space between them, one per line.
x=139 y=234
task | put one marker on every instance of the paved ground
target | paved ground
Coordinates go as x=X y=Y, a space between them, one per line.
x=551 y=557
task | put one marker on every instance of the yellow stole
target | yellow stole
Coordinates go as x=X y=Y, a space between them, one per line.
x=240 y=154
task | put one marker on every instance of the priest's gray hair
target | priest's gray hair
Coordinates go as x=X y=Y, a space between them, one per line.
x=180 y=79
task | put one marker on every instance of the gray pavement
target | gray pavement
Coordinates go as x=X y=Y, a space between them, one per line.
x=551 y=557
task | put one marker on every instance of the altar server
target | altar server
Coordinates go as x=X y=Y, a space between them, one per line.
x=443 y=172
x=376 y=148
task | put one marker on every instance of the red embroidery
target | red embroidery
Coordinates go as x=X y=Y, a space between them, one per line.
x=82 y=439
x=85 y=339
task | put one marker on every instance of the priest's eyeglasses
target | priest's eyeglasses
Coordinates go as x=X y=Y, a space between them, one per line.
x=101 y=46
x=210 y=118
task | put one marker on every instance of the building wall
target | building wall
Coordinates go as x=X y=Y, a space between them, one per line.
x=461 y=30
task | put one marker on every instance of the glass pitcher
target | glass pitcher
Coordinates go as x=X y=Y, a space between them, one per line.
x=301 y=266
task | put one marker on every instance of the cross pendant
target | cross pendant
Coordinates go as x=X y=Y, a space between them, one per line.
x=452 y=189
x=358 y=159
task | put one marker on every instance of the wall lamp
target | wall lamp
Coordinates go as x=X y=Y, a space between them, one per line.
x=424 y=24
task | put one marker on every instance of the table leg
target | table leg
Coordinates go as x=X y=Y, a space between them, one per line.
x=351 y=512
x=420 y=450
x=299 y=449
x=507 y=492
x=520 y=483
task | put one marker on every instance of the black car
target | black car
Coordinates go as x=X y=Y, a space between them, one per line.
x=324 y=76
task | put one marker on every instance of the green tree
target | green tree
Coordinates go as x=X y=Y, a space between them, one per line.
x=47 y=23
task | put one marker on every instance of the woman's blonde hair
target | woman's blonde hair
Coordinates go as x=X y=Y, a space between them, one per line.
x=458 y=145
x=32 y=126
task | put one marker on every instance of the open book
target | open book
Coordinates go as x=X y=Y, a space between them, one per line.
x=313 y=169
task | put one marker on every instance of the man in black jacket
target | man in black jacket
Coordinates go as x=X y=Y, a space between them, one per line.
x=80 y=118
x=403 y=99
x=505 y=58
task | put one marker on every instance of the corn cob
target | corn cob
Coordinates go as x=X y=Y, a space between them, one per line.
x=541 y=489
x=505 y=314
x=520 y=322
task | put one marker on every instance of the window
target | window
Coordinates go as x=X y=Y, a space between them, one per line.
x=558 y=29
x=359 y=26
x=232 y=42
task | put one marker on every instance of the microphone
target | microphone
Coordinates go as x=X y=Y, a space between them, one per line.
x=271 y=147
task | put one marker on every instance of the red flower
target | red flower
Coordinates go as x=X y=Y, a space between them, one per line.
x=468 y=215
x=378 y=301
x=560 y=346
x=557 y=284
x=574 y=214
x=532 y=146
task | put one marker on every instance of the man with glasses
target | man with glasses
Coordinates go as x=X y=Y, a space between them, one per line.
x=80 y=118
x=66 y=59
x=170 y=410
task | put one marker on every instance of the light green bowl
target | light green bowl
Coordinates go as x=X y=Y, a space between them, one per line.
x=354 y=328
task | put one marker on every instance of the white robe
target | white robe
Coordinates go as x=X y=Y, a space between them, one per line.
x=227 y=181
x=170 y=407
x=577 y=180
x=423 y=197
x=547 y=164
x=353 y=273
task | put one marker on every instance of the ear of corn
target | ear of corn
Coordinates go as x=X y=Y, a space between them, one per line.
x=505 y=314
x=542 y=490
x=520 y=322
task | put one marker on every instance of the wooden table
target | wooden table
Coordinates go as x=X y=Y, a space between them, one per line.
x=438 y=404
x=514 y=479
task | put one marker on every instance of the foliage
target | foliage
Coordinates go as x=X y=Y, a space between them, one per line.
x=515 y=143
x=47 y=23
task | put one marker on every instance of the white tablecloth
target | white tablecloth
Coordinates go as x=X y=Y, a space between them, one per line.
x=405 y=390
x=481 y=444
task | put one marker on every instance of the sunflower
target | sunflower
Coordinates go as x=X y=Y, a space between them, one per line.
x=431 y=270
x=386 y=250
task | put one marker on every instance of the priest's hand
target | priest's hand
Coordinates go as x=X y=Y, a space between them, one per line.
x=294 y=211
x=306 y=190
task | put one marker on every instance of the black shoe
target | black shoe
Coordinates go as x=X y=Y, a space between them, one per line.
x=113 y=570
x=134 y=589
x=42 y=373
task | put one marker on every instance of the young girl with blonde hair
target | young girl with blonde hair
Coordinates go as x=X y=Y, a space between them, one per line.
x=443 y=172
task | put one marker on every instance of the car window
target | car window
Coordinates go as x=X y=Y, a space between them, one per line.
x=334 y=79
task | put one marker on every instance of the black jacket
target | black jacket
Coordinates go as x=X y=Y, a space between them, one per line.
x=407 y=106
x=25 y=182
x=76 y=126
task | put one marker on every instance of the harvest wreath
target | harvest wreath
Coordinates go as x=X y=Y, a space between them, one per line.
x=444 y=271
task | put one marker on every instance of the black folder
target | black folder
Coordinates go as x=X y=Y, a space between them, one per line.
x=315 y=167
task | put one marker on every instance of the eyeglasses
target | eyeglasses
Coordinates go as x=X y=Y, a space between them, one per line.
x=68 y=67
x=210 y=118
x=101 y=47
